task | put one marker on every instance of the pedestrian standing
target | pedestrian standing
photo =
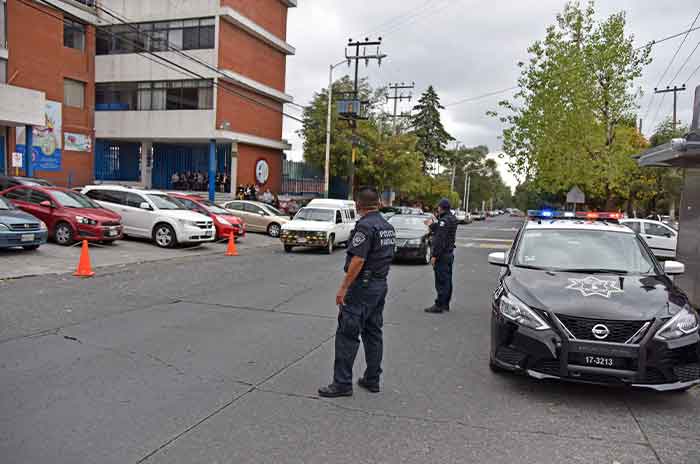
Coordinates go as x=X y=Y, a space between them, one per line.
x=361 y=298
x=444 y=233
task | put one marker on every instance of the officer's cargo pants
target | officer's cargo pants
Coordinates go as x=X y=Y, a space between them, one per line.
x=443 y=279
x=362 y=315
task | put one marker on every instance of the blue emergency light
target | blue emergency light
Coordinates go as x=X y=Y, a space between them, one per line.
x=548 y=214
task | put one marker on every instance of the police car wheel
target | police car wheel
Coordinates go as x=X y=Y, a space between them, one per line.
x=496 y=368
x=331 y=245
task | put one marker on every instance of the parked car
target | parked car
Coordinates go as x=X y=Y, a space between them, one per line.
x=69 y=215
x=154 y=215
x=413 y=238
x=462 y=216
x=479 y=215
x=320 y=224
x=10 y=181
x=20 y=229
x=258 y=216
x=661 y=238
x=668 y=220
x=224 y=222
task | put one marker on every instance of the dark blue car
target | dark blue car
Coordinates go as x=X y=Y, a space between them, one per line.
x=19 y=229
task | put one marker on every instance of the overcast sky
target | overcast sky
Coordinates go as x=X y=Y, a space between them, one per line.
x=466 y=48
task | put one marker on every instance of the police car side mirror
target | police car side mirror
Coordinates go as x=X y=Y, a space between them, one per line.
x=674 y=267
x=498 y=258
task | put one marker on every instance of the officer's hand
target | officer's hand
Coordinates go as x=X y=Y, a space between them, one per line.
x=433 y=261
x=340 y=297
x=428 y=221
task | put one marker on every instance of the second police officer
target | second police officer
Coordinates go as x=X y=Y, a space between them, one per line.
x=361 y=298
x=444 y=233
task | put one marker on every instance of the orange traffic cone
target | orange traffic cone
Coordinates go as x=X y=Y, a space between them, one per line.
x=231 y=249
x=84 y=269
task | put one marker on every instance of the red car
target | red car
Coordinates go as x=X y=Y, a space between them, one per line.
x=224 y=221
x=69 y=215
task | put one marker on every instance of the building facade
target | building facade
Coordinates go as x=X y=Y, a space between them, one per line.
x=175 y=94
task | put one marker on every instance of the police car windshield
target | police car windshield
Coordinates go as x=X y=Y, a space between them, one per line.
x=316 y=214
x=408 y=222
x=576 y=250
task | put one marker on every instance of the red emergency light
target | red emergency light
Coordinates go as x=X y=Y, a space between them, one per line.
x=600 y=216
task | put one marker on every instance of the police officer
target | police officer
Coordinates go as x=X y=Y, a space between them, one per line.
x=444 y=233
x=361 y=298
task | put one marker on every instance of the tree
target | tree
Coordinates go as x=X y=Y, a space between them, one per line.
x=427 y=127
x=572 y=120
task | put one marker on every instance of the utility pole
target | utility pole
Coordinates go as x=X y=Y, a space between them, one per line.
x=356 y=94
x=399 y=97
x=454 y=168
x=328 y=126
x=675 y=91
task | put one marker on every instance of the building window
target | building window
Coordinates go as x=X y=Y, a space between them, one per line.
x=73 y=93
x=3 y=71
x=155 y=95
x=73 y=34
x=190 y=34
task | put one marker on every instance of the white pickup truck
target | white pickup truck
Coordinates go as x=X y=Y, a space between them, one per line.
x=320 y=224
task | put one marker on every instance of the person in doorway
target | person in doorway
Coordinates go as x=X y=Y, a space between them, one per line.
x=361 y=298
x=175 y=181
x=267 y=197
x=444 y=232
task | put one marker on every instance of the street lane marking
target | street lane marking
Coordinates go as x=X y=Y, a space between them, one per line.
x=494 y=246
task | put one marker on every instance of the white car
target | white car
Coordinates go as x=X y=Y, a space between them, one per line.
x=153 y=214
x=320 y=224
x=661 y=238
x=462 y=216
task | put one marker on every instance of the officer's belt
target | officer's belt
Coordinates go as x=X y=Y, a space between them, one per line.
x=371 y=275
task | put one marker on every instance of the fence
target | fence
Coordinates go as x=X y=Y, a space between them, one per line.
x=299 y=178
x=117 y=161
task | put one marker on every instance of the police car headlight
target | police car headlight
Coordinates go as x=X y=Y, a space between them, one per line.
x=683 y=323
x=415 y=242
x=517 y=311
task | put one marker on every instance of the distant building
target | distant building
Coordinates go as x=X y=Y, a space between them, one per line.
x=123 y=115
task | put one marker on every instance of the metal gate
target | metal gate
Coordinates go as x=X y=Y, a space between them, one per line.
x=2 y=155
x=117 y=161
x=169 y=159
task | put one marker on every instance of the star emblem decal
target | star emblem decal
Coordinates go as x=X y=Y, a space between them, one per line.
x=595 y=286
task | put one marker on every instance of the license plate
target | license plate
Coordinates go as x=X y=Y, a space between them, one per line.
x=593 y=360
x=112 y=233
x=27 y=237
x=208 y=234
x=301 y=240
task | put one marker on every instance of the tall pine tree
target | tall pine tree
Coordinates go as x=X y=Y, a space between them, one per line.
x=427 y=127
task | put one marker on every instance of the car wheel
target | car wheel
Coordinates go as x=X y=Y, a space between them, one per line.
x=273 y=230
x=63 y=234
x=427 y=256
x=31 y=247
x=288 y=248
x=164 y=236
x=496 y=368
x=331 y=245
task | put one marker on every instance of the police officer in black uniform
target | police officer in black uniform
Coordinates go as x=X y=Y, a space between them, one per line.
x=361 y=298
x=444 y=234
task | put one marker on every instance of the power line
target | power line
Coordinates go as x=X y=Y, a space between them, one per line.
x=692 y=74
x=649 y=44
x=678 y=49
x=398 y=18
x=181 y=69
x=685 y=62
x=438 y=8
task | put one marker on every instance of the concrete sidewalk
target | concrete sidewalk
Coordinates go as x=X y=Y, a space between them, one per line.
x=55 y=259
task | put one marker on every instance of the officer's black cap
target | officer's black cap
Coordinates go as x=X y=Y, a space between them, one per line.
x=444 y=204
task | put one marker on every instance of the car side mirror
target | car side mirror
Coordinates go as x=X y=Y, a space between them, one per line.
x=498 y=258
x=145 y=205
x=674 y=268
x=46 y=204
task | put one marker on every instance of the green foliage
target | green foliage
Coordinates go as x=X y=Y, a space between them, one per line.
x=572 y=120
x=427 y=127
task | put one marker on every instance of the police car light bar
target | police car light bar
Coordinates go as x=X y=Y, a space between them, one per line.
x=548 y=214
x=589 y=215
x=601 y=216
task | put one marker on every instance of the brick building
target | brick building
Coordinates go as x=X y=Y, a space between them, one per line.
x=90 y=77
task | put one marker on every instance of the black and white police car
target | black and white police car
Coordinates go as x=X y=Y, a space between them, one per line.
x=582 y=298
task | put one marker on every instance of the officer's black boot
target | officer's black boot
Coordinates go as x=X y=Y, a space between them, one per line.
x=435 y=309
x=371 y=387
x=334 y=391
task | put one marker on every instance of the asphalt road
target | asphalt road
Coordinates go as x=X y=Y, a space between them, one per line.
x=208 y=359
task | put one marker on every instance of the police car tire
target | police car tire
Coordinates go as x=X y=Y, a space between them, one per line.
x=496 y=368
x=331 y=245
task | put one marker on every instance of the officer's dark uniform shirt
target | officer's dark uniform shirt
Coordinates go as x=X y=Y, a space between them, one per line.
x=444 y=234
x=373 y=240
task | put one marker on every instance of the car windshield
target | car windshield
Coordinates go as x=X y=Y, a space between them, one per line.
x=408 y=222
x=5 y=204
x=73 y=200
x=165 y=202
x=274 y=211
x=583 y=251
x=212 y=208
x=316 y=214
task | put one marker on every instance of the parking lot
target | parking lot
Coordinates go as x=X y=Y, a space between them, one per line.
x=54 y=259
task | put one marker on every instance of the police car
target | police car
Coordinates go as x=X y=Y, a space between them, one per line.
x=582 y=298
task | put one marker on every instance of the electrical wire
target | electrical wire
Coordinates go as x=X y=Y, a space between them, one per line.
x=398 y=18
x=692 y=74
x=181 y=69
x=685 y=62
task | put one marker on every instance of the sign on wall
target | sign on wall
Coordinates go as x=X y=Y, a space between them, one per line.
x=262 y=171
x=17 y=160
x=76 y=142
x=46 y=150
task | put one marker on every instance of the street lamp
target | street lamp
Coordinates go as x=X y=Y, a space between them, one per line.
x=328 y=125
x=468 y=186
